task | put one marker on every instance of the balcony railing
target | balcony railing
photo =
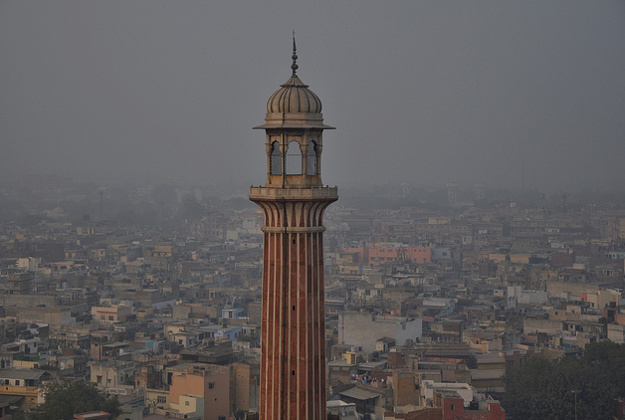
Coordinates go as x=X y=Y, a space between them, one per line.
x=294 y=192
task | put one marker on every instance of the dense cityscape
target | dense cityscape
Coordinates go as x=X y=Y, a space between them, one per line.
x=152 y=294
x=165 y=253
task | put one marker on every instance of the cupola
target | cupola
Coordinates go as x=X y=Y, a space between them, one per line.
x=294 y=128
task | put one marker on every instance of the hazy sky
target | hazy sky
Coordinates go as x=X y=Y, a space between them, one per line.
x=423 y=92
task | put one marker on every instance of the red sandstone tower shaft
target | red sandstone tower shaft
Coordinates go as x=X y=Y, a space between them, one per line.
x=293 y=201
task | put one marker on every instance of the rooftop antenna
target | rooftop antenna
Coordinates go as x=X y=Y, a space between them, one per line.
x=564 y=202
x=523 y=176
x=101 y=192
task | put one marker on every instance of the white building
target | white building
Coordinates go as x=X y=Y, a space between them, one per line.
x=363 y=330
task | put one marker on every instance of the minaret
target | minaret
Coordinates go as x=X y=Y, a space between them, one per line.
x=293 y=199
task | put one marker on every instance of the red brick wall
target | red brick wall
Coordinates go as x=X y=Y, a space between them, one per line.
x=453 y=408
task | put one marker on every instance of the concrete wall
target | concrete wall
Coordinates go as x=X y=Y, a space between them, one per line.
x=557 y=288
x=547 y=326
x=246 y=387
x=616 y=333
x=363 y=330
x=404 y=390
x=28 y=300
x=55 y=317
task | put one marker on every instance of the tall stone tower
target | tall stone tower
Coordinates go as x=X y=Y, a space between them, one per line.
x=293 y=199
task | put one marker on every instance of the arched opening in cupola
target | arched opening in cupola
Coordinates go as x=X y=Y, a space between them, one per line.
x=294 y=159
x=276 y=159
x=312 y=157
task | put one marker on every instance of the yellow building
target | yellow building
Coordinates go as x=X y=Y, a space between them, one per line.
x=25 y=383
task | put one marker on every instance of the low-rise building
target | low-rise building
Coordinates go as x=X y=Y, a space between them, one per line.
x=24 y=383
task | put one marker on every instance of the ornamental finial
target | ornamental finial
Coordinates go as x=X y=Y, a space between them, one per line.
x=294 y=66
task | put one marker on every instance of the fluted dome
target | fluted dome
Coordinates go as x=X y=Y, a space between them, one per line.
x=294 y=97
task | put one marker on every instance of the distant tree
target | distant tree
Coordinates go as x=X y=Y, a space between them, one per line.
x=30 y=220
x=544 y=389
x=191 y=208
x=65 y=398
x=165 y=198
x=608 y=358
x=239 y=414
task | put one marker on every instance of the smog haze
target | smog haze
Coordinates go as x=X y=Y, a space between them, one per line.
x=423 y=93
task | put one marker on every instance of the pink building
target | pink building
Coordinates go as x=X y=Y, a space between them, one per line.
x=377 y=255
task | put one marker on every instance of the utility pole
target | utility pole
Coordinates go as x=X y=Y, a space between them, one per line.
x=575 y=392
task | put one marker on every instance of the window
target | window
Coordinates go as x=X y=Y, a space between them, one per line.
x=110 y=317
x=161 y=399
x=276 y=159
x=211 y=385
x=186 y=403
x=294 y=159
x=453 y=407
x=311 y=159
x=99 y=379
x=17 y=382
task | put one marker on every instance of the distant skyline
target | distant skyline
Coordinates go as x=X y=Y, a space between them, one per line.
x=424 y=93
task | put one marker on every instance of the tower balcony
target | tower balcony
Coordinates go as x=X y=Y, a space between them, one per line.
x=324 y=193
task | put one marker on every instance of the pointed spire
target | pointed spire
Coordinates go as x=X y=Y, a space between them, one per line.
x=294 y=66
